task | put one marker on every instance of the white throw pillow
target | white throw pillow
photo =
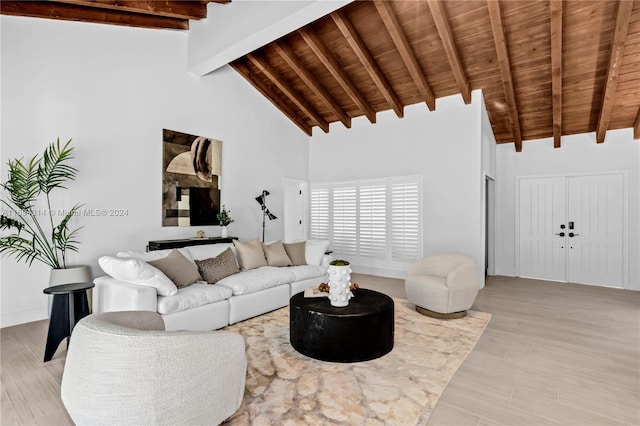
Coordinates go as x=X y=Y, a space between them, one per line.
x=153 y=255
x=314 y=251
x=135 y=271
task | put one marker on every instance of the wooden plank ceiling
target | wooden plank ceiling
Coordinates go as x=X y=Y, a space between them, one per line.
x=547 y=68
x=157 y=14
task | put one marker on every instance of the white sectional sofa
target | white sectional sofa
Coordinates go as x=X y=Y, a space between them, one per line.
x=201 y=306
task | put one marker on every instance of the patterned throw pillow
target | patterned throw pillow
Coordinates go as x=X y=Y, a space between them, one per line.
x=216 y=268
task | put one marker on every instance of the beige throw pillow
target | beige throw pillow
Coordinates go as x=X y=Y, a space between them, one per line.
x=178 y=268
x=216 y=268
x=295 y=251
x=250 y=254
x=275 y=254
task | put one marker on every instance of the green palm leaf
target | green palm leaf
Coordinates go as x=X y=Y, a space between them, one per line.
x=52 y=171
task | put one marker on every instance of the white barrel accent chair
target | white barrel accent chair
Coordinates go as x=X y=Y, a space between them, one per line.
x=442 y=286
x=123 y=368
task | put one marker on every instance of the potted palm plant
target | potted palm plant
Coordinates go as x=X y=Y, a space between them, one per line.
x=31 y=232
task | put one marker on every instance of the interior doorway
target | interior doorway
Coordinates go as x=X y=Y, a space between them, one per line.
x=296 y=209
x=489 y=226
x=571 y=228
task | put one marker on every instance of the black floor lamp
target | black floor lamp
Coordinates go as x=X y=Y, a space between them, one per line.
x=265 y=211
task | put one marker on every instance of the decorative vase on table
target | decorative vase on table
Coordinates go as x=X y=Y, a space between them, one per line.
x=224 y=232
x=339 y=283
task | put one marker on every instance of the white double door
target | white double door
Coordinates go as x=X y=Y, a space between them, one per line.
x=571 y=229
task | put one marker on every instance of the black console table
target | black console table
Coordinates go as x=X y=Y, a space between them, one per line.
x=183 y=242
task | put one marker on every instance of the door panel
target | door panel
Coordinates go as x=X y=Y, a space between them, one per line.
x=542 y=210
x=595 y=207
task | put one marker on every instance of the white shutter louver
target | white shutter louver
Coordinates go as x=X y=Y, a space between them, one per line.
x=405 y=221
x=372 y=221
x=320 y=218
x=344 y=220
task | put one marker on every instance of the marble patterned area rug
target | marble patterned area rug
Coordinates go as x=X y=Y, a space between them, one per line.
x=285 y=387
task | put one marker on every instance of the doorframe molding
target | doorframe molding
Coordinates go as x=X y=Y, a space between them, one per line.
x=304 y=186
x=625 y=214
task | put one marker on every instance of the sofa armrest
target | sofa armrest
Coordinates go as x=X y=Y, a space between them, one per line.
x=326 y=259
x=111 y=295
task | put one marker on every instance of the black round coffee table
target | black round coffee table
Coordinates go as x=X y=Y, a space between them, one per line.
x=361 y=331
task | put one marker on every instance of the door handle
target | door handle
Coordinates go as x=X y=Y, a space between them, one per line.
x=562 y=234
x=571 y=235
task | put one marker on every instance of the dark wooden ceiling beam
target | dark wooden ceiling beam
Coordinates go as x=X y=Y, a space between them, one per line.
x=338 y=73
x=69 y=12
x=406 y=51
x=451 y=50
x=362 y=52
x=636 y=126
x=615 y=62
x=261 y=87
x=556 y=69
x=285 y=51
x=294 y=96
x=502 y=51
x=171 y=9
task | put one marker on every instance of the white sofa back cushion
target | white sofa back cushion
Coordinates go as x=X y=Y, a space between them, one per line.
x=152 y=255
x=136 y=271
x=314 y=251
x=207 y=251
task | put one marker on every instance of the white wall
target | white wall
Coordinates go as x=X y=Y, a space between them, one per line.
x=232 y=31
x=579 y=154
x=442 y=146
x=113 y=90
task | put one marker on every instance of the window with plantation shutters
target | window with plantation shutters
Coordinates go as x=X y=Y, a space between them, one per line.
x=344 y=225
x=375 y=223
x=372 y=220
x=405 y=221
x=320 y=215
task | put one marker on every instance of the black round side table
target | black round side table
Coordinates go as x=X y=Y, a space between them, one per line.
x=70 y=305
x=360 y=331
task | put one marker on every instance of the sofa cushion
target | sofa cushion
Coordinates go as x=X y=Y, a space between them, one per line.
x=195 y=295
x=250 y=254
x=275 y=254
x=216 y=268
x=152 y=255
x=295 y=251
x=207 y=251
x=178 y=268
x=257 y=279
x=304 y=272
x=314 y=251
x=135 y=271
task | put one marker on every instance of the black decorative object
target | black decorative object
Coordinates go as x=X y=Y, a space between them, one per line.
x=265 y=211
x=70 y=305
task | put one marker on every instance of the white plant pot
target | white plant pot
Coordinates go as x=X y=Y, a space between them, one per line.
x=339 y=283
x=224 y=232
x=69 y=275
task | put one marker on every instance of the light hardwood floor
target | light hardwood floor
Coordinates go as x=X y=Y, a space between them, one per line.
x=553 y=354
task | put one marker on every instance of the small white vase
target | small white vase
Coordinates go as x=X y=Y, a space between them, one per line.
x=339 y=283
x=224 y=232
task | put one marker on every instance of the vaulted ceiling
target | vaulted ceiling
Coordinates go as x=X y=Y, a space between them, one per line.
x=547 y=68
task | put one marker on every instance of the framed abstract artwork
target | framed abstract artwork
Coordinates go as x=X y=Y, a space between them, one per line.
x=191 y=174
